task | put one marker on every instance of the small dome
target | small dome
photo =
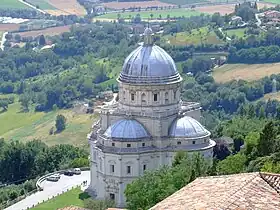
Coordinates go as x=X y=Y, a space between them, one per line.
x=187 y=127
x=126 y=129
x=149 y=64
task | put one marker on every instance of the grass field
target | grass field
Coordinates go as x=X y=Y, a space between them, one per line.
x=47 y=32
x=17 y=125
x=131 y=4
x=42 y=4
x=156 y=14
x=239 y=33
x=73 y=197
x=5 y=4
x=247 y=72
x=203 y=35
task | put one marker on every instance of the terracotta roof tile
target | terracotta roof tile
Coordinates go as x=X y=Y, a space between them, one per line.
x=247 y=191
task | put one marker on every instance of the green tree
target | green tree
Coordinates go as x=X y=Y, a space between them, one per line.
x=60 y=123
x=232 y=164
x=267 y=139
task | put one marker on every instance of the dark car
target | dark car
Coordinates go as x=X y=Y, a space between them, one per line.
x=68 y=173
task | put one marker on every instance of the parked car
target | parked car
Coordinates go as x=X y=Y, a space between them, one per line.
x=77 y=171
x=52 y=178
x=56 y=175
x=68 y=173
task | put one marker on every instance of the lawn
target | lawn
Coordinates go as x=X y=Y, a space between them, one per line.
x=73 y=197
x=203 y=35
x=246 y=72
x=239 y=33
x=182 y=2
x=17 y=125
x=156 y=14
x=13 y=4
x=42 y=4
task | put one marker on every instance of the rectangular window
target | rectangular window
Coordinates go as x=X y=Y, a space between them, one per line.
x=178 y=143
x=113 y=144
x=143 y=144
x=193 y=142
x=112 y=196
x=155 y=97
x=128 y=145
x=132 y=97
x=144 y=167
x=128 y=169
x=112 y=168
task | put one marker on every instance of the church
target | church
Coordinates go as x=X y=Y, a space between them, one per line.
x=146 y=126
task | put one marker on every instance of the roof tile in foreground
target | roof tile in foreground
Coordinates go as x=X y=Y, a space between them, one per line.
x=247 y=191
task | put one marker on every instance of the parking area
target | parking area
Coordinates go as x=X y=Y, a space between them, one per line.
x=51 y=189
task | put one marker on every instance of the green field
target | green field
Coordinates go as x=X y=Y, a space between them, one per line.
x=5 y=4
x=203 y=35
x=42 y=4
x=182 y=2
x=18 y=125
x=239 y=33
x=156 y=14
x=73 y=197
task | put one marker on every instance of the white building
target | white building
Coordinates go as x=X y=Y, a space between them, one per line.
x=146 y=126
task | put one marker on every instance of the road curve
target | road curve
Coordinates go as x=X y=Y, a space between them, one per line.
x=51 y=189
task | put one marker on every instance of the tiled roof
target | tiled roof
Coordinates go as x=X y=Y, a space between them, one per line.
x=247 y=191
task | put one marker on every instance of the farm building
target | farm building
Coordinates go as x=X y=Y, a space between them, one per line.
x=272 y=14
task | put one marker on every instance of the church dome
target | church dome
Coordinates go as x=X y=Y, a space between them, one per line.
x=126 y=129
x=187 y=127
x=149 y=64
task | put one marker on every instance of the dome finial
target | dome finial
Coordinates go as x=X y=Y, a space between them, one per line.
x=148 y=36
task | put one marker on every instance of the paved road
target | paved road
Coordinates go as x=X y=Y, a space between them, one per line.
x=51 y=189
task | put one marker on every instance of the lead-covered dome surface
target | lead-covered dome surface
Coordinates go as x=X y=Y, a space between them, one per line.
x=126 y=129
x=149 y=64
x=187 y=127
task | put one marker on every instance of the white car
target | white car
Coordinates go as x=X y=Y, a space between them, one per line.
x=77 y=171
x=56 y=175
x=52 y=178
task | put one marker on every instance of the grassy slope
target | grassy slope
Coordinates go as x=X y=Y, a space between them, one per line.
x=237 y=32
x=17 y=125
x=245 y=71
x=73 y=197
x=156 y=13
x=43 y=4
x=4 y=4
x=196 y=37
x=272 y=96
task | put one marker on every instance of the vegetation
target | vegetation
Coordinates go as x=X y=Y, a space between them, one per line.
x=153 y=14
x=60 y=123
x=75 y=197
x=156 y=185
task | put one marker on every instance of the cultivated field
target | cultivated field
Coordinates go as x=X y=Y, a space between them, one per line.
x=42 y=4
x=66 y=7
x=143 y=4
x=5 y=4
x=9 y=26
x=247 y=72
x=203 y=35
x=227 y=9
x=47 y=32
x=156 y=14
x=272 y=96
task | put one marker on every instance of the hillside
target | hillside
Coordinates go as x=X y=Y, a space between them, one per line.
x=249 y=72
